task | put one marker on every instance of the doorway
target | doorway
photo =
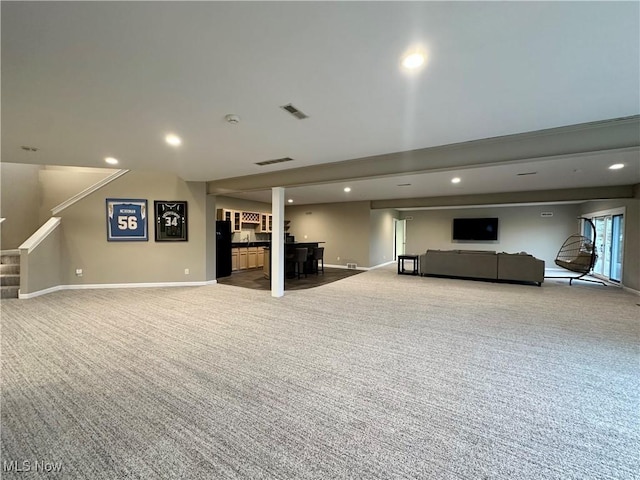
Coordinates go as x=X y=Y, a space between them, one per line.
x=609 y=243
x=400 y=238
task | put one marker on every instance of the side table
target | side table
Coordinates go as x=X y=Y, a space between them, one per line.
x=414 y=260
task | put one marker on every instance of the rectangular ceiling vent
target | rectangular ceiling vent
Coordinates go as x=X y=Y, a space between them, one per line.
x=525 y=174
x=295 y=112
x=277 y=160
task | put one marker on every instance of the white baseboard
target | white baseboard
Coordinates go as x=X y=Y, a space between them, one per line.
x=344 y=267
x=631 y=290
x=93 y=286
x=360 y=268
x=390 y=262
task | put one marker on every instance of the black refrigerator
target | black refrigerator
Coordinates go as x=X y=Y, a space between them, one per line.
x=223 y=248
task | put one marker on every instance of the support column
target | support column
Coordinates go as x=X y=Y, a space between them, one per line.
x=277 y=242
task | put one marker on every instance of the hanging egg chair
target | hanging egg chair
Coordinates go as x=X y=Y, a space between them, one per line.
x=578 y=254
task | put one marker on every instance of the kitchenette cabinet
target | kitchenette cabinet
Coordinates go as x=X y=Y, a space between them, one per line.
x=260 y=257
x=266 y=223
x=235 y=265
x=233 y=216
x=245 y=258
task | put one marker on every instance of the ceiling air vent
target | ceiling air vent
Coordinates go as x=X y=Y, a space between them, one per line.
x=277 y=160
x=295 y=112
x=525 y=174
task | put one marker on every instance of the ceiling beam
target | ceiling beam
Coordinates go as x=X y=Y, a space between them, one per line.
x=537 y=196
x=570 y=140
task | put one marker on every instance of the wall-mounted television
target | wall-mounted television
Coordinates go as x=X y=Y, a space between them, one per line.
x=478 y=229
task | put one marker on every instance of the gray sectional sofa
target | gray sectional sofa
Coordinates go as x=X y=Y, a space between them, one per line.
x=482 y=264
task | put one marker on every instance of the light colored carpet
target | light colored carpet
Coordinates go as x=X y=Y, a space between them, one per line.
x=377 y=376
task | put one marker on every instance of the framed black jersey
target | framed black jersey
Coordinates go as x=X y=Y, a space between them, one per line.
x=171 y=221
x=126 y=220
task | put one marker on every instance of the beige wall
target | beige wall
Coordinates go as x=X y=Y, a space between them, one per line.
x=241 y=204
x=381 y=236
x=631 y=254
x=58 y=184
x=84 y=237
x=344 y=226
x=19 y=203
x=520 y=229
x=40 y=269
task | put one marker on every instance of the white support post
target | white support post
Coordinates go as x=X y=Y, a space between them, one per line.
x=277 y=242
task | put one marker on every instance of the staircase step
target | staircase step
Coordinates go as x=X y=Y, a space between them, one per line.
x=10 y=280
x=10 y=257
x=9 y=269
x=9 y=291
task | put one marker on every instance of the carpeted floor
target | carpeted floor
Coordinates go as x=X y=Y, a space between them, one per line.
x=377 y=376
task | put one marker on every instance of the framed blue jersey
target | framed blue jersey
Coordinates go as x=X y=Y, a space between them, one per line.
x=171 y=221
x=127 y=220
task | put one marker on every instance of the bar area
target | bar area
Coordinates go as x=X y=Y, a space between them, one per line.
x=301 y=258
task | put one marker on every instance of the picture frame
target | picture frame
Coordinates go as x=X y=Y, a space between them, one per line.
x=127 y=220
x=171 y=221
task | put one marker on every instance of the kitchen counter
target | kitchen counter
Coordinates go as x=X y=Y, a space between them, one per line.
x=299 y=244
x=259 y=243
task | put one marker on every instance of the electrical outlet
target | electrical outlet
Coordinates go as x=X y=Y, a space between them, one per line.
x=186 y=271
x=78 y=272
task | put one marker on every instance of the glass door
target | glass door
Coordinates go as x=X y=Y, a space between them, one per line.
x=617 y=237
x=609 y=243
x=598 y=268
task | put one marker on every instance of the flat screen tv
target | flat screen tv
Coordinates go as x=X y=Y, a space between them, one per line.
x=478 y=229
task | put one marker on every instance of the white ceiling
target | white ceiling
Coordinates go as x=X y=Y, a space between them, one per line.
x=86 y=80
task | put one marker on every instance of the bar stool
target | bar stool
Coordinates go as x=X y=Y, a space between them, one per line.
x=301 y=259
x=318 y=257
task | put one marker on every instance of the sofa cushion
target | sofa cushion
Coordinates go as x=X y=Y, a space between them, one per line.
x=520 y=267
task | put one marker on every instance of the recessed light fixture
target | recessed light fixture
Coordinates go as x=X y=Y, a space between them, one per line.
x=413 y=60
x=616 y=166
x=455 y=180
x=111 y=160
x=290 y=200
x=347 y=189
x=173 y=140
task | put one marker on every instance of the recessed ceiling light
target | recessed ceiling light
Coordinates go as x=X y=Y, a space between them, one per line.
x=111 y=160
x=455 y=180
x=616 y=166
x=290 y=200
x=173 y=140
x=413 y=60
x=347 y=189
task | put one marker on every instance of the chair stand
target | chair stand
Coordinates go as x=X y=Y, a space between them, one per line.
x=318 y=258
x=301 y=259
